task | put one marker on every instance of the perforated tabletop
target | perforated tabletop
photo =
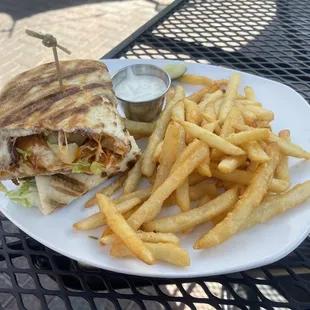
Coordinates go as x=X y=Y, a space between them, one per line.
x=268 y=38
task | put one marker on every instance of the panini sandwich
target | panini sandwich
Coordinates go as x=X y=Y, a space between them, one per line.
x=47 y=129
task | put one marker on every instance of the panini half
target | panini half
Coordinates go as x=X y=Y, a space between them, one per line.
x=46 y=129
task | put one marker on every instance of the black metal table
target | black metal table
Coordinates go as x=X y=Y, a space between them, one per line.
x=268 y=38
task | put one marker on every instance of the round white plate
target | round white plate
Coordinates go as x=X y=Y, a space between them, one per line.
x=260 y=245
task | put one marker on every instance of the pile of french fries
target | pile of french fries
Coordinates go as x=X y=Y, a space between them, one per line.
x=215 y=148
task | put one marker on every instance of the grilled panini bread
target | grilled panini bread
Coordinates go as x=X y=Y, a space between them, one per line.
x=47 y=129
x=57 y=191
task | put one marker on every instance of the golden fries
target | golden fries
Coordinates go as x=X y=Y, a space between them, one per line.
x=282 y=172
x=142 y=194
x=182 y=192
x=199 y=190
x=230 y=96
x=195 y=216
x=178 y=111
x=192 y=113
x=244 y=177
x=247 y=136
x=170 y=94
x=250 y=200
x=168 y=154
x=249 y=93
x=289 y=148
x=109 y=190
x=151 y=208
x=120 y=227
x=212 y=140
x=157 y=152
x=255 y=152
x=99 y=219
x=165 y=252
x=133 y=178
x=158 y=237
x=216 y=133
x=195 y=80
x=139 y=128
x=158 y=134
x=278 y=204
x=231 y=163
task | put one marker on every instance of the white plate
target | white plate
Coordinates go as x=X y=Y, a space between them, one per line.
x=260 y=245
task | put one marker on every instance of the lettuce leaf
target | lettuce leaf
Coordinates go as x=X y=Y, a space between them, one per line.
x=27 y=194
x=97 y=168
x=25 y=154
x=81 y=166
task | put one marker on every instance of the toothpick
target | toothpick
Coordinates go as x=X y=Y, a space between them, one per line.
x=50 y=41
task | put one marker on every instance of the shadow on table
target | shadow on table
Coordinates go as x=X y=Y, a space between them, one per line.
x=19 y=9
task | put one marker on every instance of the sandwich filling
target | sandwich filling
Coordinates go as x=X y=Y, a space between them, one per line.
x=73 y=152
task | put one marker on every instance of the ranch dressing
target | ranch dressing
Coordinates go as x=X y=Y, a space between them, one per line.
x=137 y=88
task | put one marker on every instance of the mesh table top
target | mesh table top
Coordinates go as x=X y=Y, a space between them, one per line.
x=268 y=38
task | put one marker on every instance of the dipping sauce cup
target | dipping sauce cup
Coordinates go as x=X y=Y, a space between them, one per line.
x=141 y=90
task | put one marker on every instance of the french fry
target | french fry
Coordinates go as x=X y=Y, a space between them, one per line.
x=192 y=113
x=204 y=168
x=195 y=178
x=250 y=200
x=255 y=152
x=278 y=204
x=245 y=102
x=204 y=200
x=157 y=152
x=182 y=192
x=170 y=94
x=199 y=190
x=108 y=231
x=261 y=113
x=244 y=178
x=196 y=97
x=139 y=128
x=217 y=107
x=98 y=219
x=207 y=117
x=143 y=194
x=191 y=148
x=249 y=93
x=209 y=101
x=108 y=191
x=195 y=216
x=120 y=227
x=195 y=80
x=93 y=221
x=231 y=118
x=157 y=237
x=263 y=124
x=151 y=208
x=252 y=166
x=249 y=118
x=263 y=144
x=165 y=252
x=282 y=171
x=134 y=177
x=231 y=163
x=289 y=148
x=178 y=111
x=249 y=135
x=168 y=154
x=230 y=96
x=212 y=140
x=157 y=136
